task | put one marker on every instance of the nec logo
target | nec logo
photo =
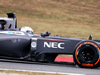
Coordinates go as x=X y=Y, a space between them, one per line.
x=54 y=45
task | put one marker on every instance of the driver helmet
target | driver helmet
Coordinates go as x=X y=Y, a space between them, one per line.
x=28 y=30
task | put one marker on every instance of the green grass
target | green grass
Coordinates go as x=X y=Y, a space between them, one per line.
x=68 y=18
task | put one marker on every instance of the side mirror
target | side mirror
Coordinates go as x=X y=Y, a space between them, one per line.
x=45 y=34
x=90 y=37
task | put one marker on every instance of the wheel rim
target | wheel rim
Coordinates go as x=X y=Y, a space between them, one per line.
x=88 y=54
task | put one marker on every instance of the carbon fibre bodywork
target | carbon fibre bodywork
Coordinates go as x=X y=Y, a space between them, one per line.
x=67 y=44
x=19 y=44
x=12 y=45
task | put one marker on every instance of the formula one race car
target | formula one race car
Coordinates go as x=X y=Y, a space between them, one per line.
x=22 y=43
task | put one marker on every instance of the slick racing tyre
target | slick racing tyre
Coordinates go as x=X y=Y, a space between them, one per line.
x=87 y=54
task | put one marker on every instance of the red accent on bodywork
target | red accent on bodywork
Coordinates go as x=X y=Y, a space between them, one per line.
x=64 y=59
x=49 y=40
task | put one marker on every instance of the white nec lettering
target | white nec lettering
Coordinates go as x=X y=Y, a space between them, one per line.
x=53 y=45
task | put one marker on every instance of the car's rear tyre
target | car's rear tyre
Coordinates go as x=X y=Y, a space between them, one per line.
x=87 y=54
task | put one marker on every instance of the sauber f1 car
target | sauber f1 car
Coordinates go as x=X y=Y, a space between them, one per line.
x=22 y=43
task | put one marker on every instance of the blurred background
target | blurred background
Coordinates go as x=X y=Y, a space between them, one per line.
x=68 y=18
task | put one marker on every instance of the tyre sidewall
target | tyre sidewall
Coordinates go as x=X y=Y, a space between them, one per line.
x=79 y=61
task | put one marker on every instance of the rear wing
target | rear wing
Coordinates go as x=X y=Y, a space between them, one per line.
x=10 y=21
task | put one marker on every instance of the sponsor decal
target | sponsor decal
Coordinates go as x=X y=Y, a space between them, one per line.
x=12 y=32
x=34 y=38
x=87 y=65
x=54 y=45
x=33 y=44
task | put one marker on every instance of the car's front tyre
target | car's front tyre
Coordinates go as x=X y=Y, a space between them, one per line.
x=87 y=54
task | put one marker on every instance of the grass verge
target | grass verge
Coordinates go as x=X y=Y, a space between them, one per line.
x=14 y=72
x=68 y=18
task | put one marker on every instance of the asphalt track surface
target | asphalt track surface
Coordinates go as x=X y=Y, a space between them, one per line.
x=47 y=67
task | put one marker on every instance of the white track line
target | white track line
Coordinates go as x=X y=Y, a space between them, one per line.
x=42 y=71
